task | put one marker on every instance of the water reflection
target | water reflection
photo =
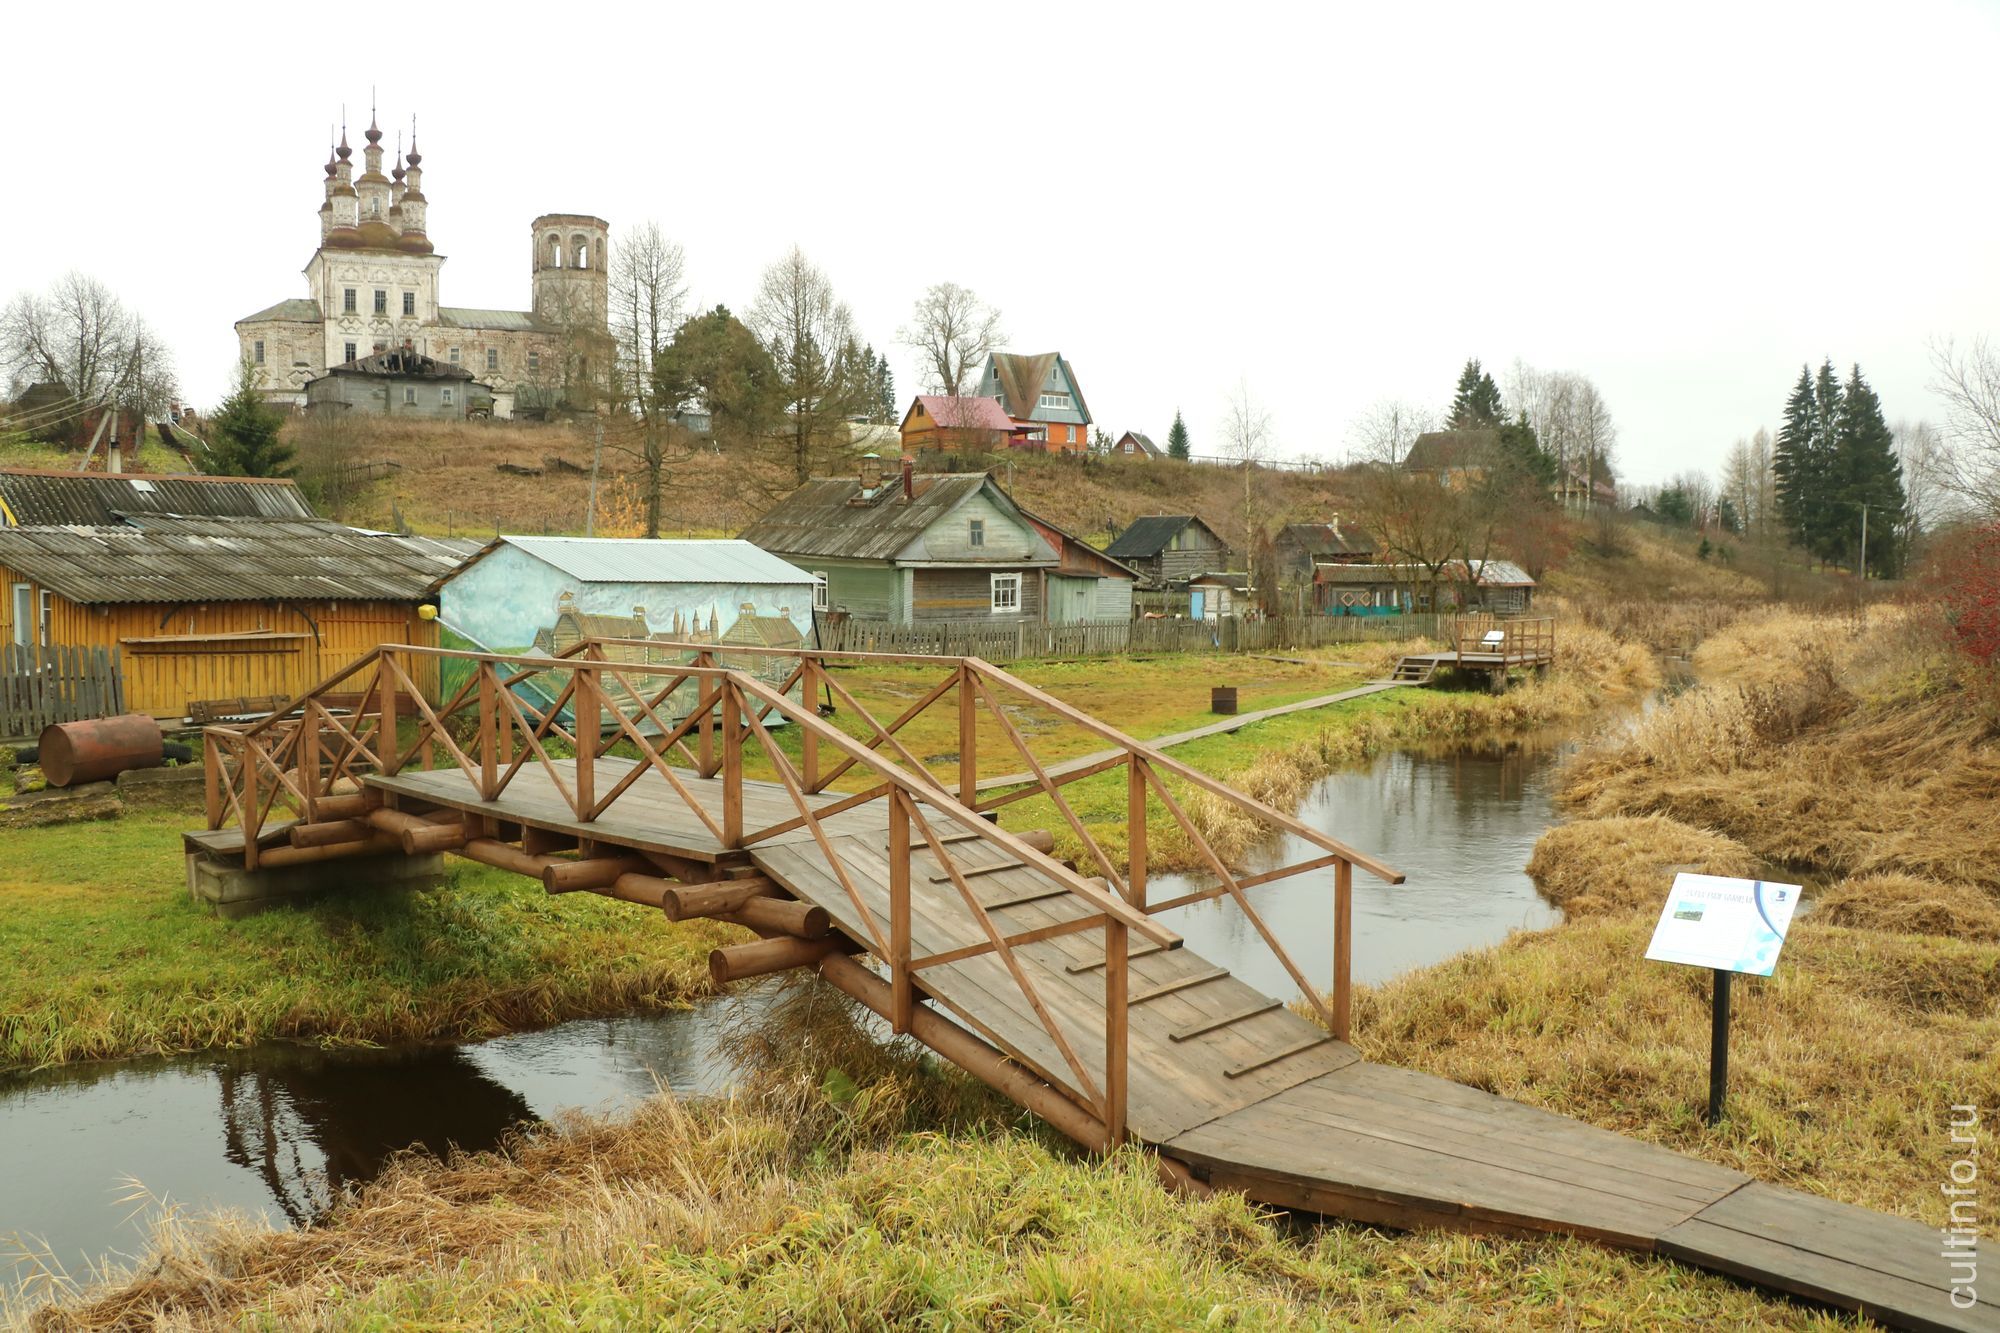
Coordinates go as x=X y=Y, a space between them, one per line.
x=1460 y=825
x=279 y=1131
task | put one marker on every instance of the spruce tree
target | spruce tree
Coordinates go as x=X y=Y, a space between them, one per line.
x=1866 y=472
x=245 y=434
x=1792 y=460
x=885 y=388
x=1476 y=405
x=1177 y=438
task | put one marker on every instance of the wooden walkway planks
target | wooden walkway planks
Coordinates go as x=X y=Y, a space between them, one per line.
x=1318 y=1129
x=1222 y=727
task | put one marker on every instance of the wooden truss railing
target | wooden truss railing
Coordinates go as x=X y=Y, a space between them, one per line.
x=696 y=718
x=1523 y=639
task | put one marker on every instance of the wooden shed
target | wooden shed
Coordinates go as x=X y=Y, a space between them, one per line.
x=204 y=609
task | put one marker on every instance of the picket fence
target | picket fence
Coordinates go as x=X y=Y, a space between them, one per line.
x=40 y=685
x=1100 y=638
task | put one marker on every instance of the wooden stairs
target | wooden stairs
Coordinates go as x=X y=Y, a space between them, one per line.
x=1413 y=671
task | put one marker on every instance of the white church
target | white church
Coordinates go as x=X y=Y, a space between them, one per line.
x=373 y=287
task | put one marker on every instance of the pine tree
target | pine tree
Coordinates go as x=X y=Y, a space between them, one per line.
x=1177 y=438
x=1799 y=465
x=245 y=434
x=1866 y=472
x=1522 y=457
x=885 y=388
x=1477 y=403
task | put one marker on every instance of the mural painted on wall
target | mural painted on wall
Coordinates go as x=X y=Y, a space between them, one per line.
x=512 y=603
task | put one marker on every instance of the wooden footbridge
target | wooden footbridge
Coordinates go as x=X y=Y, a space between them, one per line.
x=1051 y=980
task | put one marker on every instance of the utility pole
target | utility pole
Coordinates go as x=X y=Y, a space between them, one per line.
x=1863 y=562
x=596 y=456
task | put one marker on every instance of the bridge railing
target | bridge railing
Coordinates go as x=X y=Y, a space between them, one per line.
x=1524 y=639
x=697 y=718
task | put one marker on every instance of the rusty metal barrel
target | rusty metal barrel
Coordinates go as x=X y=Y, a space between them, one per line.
x=73 y=752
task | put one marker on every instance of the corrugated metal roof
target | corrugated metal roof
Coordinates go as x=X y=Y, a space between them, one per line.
x=465 y=317
x=1492 y=573
x=297 y=309
x=820 y=518
x=650 y=560
x=222 y=561
x=101 y=499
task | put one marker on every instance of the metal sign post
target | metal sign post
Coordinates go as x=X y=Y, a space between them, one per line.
x=1727 y=926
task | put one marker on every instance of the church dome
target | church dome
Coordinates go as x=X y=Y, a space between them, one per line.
x=343 y=238
x=376 y=235
x=414 y=243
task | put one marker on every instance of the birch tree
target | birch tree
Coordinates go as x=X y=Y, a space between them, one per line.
x=952 y=332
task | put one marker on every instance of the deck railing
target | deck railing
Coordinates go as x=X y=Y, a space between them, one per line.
x=1524 y=639
x=699 y=718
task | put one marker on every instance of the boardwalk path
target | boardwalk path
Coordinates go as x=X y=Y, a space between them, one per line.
x=1250 y=1096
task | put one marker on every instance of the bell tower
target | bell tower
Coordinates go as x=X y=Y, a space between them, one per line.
x=571 y=275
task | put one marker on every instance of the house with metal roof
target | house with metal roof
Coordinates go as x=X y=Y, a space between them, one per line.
x=1041 y=396
x=1300 y=546
x=204 y=609
x=939 y=421
x=35 y=497
x=1170 y=549
x=400 y=383
x=1137 y=444
x=543 y=594
x=1500 y=586
x=913 y=547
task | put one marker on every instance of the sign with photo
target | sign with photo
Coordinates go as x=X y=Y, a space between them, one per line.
x=1735 y=925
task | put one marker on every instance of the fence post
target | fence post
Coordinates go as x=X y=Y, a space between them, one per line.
x=1343 y=945
x=968 y=739
x=704 y=705
x=252 y=825
x=489 y=708
x=391 y=743
x=1117 y=1025
x=809 y=739
x=1135 y=823
x=589 y=724
x=211 y=765
x=732 y=766
x=309 y=761
x=902 y=990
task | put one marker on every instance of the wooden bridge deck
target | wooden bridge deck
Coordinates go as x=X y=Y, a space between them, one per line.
x=1247 y=1094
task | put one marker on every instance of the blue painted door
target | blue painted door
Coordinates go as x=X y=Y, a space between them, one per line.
x=1194 y=603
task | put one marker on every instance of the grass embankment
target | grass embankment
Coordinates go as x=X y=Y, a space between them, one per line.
x=108 y=956
x=896 y=1194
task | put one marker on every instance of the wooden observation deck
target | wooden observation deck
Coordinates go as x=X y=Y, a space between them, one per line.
x=1052 y=981
x=1495 y=645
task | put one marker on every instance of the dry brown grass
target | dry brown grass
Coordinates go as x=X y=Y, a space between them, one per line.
x=1906 y=905
x=1593 y=867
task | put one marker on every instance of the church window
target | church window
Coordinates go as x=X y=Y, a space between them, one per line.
x=454 y=356
x=555 y=251
x=347 y=305
x=409 y=304
x=534 y=361
x=579 y=252
x=381 y=302
x=349 y=355
x=493 y=358
x=258 y=351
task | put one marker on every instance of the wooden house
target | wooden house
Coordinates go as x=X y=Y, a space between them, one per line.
x=1301 y=546
x=1170 y=549
x=1039 y=393
x=970 y=425
x=1498 y=586
x=1086 y=584
x=912 y=547
x=1133 y=444
x=1456 y=458
x=37 y=497
x=204 y=609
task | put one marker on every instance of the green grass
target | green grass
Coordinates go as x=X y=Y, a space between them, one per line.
x=108 y=956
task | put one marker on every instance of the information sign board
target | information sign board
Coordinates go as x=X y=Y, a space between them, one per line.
x=1734 y=925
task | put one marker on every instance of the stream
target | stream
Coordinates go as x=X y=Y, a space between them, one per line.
x=279 y=1130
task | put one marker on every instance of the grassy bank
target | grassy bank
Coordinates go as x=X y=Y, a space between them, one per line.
x=108 y=956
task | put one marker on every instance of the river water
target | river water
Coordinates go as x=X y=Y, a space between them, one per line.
x=279 y=1130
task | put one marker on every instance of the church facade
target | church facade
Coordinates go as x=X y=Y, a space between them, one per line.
x=373 y=287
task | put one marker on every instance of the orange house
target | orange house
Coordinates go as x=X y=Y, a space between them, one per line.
x=1040 y=394
x=980 y=425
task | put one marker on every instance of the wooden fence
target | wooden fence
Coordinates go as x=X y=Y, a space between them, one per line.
x=1004 y=642
x=41 y=685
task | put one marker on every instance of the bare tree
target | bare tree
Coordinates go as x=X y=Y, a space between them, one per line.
x=1246 y=434
x=1763 y=459
x=1920 y=448
x=1573 y=424
x=80 y=337
x=1739 y=483
x=1969 y=383
x=952 y=331
x=806 y=329
x=1384 y=432
x=648 y=288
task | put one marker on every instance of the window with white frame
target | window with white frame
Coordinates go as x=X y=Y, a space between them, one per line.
x=493 y=358
x=24 y=613
x=819 y=590
x=1006 y=592
x=348 y=349
x=454 y=356
x=1060 y=400
x=409 y=394
x=975 y=532
x=446 y=391
x=259 y=352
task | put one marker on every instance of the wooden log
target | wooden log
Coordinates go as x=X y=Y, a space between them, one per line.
x=352 y=805
x=784 y=916
x=968 y=1052
x=435 y=838
x=493 y=852
x=331 y=832
x=599 y=872
x=376 y=844
x=647 y=890
x=1040 y=839
x=760 y=958
x=685 y=900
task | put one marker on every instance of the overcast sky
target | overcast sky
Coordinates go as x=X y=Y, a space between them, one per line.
x=1334 y=204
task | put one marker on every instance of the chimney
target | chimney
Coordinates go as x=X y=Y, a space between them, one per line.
x=871 y=474
x=1335 y=524
x=909 y=481
x=114 y=460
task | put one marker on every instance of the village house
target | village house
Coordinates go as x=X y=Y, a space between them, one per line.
x=1041 y=397
x=400 y=383
x=1458 y=459
x=1499 y=586
x=1300 y=546
x=203 y=609
x=971 y=425
x=37 y=497
x=1132 y=444
x=912 y=547
x=1086 y=584
x=1170 y=549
